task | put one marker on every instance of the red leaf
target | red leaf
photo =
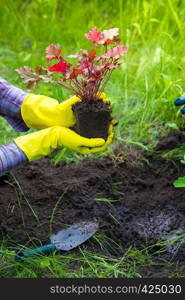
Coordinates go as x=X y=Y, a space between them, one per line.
x=107 y=42
x=92 y=55
x=73 y=74
x=85 y=65
x=97 y=75
x=53 y=52
x=116 y=52
x=60 y=67
x=94 y=36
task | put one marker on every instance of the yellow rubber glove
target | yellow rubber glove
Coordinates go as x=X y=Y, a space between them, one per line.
x=108 y=140
x=41 y=143
x=41 y=112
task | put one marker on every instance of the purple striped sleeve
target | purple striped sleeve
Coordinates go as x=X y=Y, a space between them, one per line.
x=11 y=99
x=10 y=157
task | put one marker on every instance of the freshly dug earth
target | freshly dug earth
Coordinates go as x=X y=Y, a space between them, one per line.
x=147 y=206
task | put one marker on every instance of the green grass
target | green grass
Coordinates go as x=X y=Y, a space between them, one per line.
x=80 y=262
x=141 y=91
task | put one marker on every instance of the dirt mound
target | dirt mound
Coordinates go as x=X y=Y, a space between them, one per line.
x=172 y=140
x=40 y=198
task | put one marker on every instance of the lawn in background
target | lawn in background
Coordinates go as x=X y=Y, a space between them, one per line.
x=141 y=91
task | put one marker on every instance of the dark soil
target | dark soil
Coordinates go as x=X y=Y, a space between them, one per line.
x=93 y=119
x=171 y=141
x=148 y=207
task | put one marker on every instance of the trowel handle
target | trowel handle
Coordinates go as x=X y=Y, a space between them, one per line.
x=41 y=250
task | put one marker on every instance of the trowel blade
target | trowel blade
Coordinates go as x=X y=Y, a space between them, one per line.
x=74 y=235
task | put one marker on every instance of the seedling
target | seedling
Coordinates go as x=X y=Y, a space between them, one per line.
x=180 y=182
x=86 y=78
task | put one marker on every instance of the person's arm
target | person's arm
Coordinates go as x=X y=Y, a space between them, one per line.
x=27 y=110
x=41 y=143
x=11 y=99
x=10 y=157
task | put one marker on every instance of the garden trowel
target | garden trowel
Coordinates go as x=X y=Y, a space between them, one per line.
x=65 y=239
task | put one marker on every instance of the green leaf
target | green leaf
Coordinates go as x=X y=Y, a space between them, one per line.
x=180 y=182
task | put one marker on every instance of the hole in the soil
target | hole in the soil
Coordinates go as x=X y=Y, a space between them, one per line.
x=143 y=207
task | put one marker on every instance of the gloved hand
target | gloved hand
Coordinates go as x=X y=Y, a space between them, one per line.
x=41 y=143
x=41 y=112
x=180 y=101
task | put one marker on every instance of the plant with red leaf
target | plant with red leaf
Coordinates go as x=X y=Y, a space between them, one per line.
x=89 y=76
